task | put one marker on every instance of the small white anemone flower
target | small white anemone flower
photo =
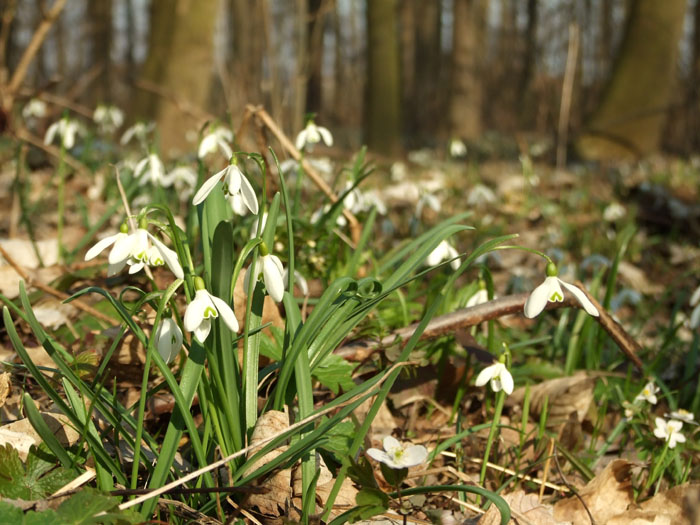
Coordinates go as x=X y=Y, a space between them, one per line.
x=442 y=252
x=168 y=339
x=234 y=182
x=397 y=456
x=550 y=291
x=140 y=130
x=66 y=129
x=498 y=375
x=205 y=307
x=218 y=138
x=457 y=148
x=34 y=109
x=683 y=415
x=150 y=169
x=669 y=431
x=184 y=178
x=648 y=393
x=480 y=297
x=313 y=134
x=108 y=118
x=272 y=271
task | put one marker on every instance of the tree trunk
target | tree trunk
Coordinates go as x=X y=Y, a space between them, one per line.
x=467 y=55
x=630 y=117
x=100 y=20
x=529 y=64
x=314 y=55
x=246 y=59
x=383 y=98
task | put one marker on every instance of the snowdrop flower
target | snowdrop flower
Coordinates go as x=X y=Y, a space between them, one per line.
x=457 y=148
x=695 y=314
x=103 y=244
x=184 y=178
x=34 y=109
x=480 y=297
x=272 y=271
x=316 y=216
x=442 y=252
x=481 y=194
x=168 y=339
x=396 y=456
x=614 y=211
x=498 y=375
x=205 y=307
x=108 y=118
x=429 y=200
x=218 y=138
x=683 y=415
x=66 y=129
x=550 y=291
x=299 y=279
x=140 y=130
x=313 y=134
x=669 y=431
x=150 y=169
x=234 y=182
x=373 y=198
x=648 y=393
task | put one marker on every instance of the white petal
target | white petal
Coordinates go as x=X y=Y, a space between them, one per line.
x=135 y=268
x=585 y=302
x=660 y=433
x=301 y=139
x=414 y=455
x=480 y=297
x=207 y=146
x=168 y=339
x=237 y=205
x=390 y=443
x=248 y=194
x=506 y=381
x=695 y=298
x=326 y=135
x=169 y=256
x=379 y=455
x=206 y=188
x=226 y=313
x=225 y=148
x=122 y=249
x=437 y=255
x=195 y=310
x=695 y=318
x=202 y=331
x=485 y=375
x=101 y=245
x=51 y=133
x=114 y=269
x=540 y=296
x=273 y=277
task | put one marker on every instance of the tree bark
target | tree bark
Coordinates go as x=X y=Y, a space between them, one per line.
x=314 y=55
x=100 y=20
x=630 y=117
x=383 y=98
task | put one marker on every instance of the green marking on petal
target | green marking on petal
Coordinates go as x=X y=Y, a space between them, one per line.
x=556 y=297
x=210 y=312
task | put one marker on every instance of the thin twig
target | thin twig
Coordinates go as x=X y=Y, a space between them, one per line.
x=53 y=291
x=23 y=135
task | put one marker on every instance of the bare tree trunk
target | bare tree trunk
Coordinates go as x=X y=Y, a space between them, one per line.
x=248 y=52
x=529 y=64
x=467 y=55
x=630 y=117
x=314 y=56
x=100 y=20
x=300 y=75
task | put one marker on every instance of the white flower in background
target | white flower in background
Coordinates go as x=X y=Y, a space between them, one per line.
x=442 y=252
x=254 y=225
x=299 y=280
x=480 y=297
x=234 y=182
x=313 y=134
x=150 y=169
x=272 y=271
x=218 y=138
x=457 y=148
x=498 y=375
x=614 y=212
x=397 y=456
x=683 y=415
x=140 y=130
x=183 y=178
x=669 y=431
x=430 y=200
x=66 y=129
x=168 y=339
x=550 y=291
x=373 y=198
x=205 y=307
x=648 y=393
x=695 y=314
x=34 y=109
x=481 y=194
x=316 y=216
x=352 y=199
x=108 y=118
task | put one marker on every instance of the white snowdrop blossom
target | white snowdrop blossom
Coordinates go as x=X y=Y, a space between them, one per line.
x=695 y=314
x=218 y=138
x=648 y=393
x=272 y=271
x=457 y=148
x=108 y=118
x=183 y=178
x=430 y=200
x=34 y=109
x=669 y=431
x=234 y=182
x=480 y=297
x=168 y=339
x=316 y=216
x=299 y=279
x=498 y=375
x=66 y=129
x=481 y=194
x=683 y=415
x=103 y=244
x=442 y=252
x=205 y=307
x=150 y=169
x=397 y=456
x=140 y=130
x=313 y=134
x=614 y=212
x=550 y=291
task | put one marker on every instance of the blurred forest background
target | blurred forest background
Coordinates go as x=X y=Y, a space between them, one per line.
x=395 y=74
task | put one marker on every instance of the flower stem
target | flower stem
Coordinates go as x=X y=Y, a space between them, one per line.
x=500 y=400
x=656 y=469
x=61 y=201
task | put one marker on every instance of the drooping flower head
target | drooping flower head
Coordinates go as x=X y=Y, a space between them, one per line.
x=313 y=134
x=550 y=291
x=397 y=456
x=272 y=271
x=140 y=130
x=498 y=375
x=151 y=169
x=205 y=307
x=217 y=138
x=34 y=109
x=108 y=118
x=234 y=182
x=442 y=252
x=183 y=178
x=66 y=130
x=168 y=339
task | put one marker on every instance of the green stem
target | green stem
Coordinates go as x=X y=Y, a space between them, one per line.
x=500 y=400
x=61 y=201
x=656 y=469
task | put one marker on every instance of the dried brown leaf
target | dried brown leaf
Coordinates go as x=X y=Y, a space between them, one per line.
x=526 y=508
